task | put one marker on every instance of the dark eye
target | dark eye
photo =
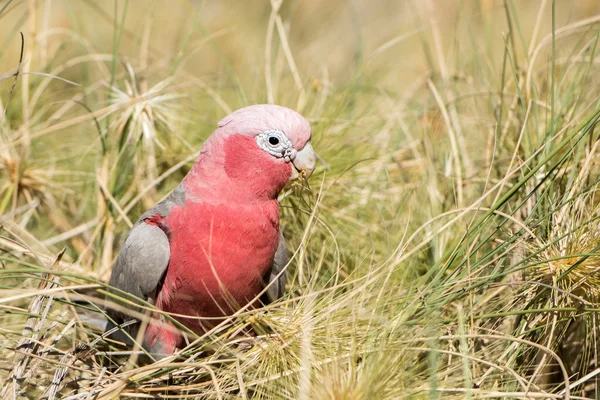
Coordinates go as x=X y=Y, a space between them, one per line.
x=273 y=141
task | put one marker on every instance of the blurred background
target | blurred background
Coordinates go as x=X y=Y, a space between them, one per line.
x=448 y=247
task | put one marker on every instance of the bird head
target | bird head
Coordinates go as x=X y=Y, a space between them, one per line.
x=259 y=149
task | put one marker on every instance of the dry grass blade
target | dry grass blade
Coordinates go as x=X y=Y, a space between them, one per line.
x=29 y=343
x=16 y=75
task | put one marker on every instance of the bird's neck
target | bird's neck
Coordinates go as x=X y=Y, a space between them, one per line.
x=207 y=182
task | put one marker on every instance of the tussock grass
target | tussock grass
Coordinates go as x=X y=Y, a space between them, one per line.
x=448 y=248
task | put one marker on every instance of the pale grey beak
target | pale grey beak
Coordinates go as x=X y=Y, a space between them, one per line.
x=304 y=162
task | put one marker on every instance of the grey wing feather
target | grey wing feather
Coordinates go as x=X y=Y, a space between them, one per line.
x=143 y=258
x=277 y=282
x=140 y=266
x=142 y=261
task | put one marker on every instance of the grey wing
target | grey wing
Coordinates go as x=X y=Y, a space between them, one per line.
x=140 y=266
x=142 y=261
x=144 y=256
x=277 y=282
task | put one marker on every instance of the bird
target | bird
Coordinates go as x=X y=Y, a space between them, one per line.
x=214 y=243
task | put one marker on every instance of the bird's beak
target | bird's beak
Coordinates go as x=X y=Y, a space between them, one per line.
x=304 y=163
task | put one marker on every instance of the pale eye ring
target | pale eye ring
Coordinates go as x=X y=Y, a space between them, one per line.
x=274 y=142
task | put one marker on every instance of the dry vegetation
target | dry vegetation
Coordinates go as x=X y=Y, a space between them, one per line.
x=449 y=247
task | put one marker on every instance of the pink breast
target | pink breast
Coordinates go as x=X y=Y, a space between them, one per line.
x=220 y=255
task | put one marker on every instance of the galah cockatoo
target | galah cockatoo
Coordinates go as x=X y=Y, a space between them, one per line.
x=213 y=244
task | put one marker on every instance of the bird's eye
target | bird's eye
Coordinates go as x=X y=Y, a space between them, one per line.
x=274 y=142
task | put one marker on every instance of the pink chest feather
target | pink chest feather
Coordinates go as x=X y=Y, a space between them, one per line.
x=220 y=255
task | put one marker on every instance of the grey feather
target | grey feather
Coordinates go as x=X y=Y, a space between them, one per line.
x=143 y=259
x=144 y=256
x=276 y=288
